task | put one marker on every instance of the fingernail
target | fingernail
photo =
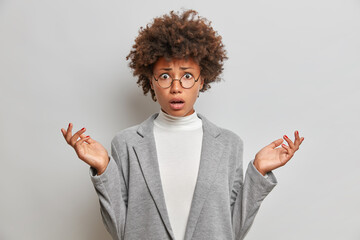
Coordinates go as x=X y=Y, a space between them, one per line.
x=88 y=136
x=82 y=129
x=69 y=124
x=285 y=136
x=296 y=132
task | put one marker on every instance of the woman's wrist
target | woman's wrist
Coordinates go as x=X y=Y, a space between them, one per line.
x=101 y=169
x=256 y=164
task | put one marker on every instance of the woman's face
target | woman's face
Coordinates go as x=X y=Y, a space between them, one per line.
x=176 y=100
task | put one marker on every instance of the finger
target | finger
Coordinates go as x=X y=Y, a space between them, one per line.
x=286 y=148
x=290 y=143
x=81 y=141
x=88 y=138
x=68 y=133
x=298 y=142
x=290 y=151
x=276 y=143
x=297 y=138
x=82 y=135
x=74 y=138
x=78 y=134
x=63 y=131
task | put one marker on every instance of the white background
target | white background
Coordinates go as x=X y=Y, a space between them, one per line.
x=293 y=65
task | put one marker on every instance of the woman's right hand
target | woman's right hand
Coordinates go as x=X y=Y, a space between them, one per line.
x=87 y=149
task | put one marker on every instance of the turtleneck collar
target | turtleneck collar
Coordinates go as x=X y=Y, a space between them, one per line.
x=169 y=122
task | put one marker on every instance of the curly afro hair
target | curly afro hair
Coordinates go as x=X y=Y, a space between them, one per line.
x=177 y=36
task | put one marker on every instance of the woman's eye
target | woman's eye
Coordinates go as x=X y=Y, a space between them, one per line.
x=164 y=76
x=188 y=76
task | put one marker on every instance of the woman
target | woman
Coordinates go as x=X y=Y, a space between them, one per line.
x=177 y=175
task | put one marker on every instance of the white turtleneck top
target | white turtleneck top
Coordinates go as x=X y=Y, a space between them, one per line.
x=178 y=143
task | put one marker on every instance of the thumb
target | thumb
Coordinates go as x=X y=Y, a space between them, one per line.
x=276 y=143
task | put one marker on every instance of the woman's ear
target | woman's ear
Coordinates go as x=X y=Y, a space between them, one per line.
x=202 y=83
x=152 y=87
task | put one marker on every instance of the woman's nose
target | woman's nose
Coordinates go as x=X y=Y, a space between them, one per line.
x=176 y=86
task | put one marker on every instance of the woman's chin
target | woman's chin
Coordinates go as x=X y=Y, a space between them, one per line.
x=180 y=113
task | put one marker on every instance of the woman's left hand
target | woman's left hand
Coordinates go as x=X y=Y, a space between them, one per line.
x=270 y=157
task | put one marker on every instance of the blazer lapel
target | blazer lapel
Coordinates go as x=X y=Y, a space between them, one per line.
x=146 y=153
x=209 y=162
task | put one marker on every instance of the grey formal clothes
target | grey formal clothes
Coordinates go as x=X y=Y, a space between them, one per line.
x=224 y=206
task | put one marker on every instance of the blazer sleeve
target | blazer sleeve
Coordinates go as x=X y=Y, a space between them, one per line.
x=112 y=193
x=247 y=195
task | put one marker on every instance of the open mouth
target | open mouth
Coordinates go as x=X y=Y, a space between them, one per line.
x=177 y=104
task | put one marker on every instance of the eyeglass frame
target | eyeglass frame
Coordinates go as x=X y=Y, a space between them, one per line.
x=195 y=81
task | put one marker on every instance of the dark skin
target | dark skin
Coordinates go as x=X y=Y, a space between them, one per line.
x=270 y=157
x=87 y=149
x=94 y=154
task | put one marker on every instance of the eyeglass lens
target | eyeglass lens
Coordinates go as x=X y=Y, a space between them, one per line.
x=186 y=81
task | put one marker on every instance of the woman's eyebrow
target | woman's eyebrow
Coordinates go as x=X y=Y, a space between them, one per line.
x=182 y=68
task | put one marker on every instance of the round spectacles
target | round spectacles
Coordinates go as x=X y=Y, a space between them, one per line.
x=186 y=81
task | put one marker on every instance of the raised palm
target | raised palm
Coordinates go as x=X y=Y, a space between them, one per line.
x=270 y=157
x=87 y=149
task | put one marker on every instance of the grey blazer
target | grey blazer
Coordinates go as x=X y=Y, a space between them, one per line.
x=223 y=207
